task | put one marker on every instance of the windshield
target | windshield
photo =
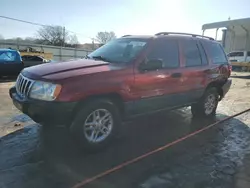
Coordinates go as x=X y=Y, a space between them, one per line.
x=119 y=50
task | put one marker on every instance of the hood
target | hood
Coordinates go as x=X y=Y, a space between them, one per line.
x=55 y=68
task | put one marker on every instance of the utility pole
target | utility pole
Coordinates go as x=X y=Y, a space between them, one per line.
x=63 y=39
x=93 y=44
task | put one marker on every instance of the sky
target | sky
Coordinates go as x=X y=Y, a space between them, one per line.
x=147 y=17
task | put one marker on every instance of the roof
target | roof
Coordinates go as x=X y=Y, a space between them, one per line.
x=171 y=35
x=239 y=26
x=6 y=49
x=138 y=36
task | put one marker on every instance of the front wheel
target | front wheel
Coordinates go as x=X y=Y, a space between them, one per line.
x=207 y=105
x=96 y=124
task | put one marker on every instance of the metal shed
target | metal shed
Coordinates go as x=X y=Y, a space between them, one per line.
x=235 y=33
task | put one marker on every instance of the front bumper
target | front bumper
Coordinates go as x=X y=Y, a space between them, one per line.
x=52 y=112
x=226 y=87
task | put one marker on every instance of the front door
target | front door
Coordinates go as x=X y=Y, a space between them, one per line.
x=158 y=89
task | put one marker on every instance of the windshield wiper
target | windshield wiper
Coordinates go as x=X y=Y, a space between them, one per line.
x=99 y=57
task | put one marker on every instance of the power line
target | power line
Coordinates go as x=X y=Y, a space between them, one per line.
x=33 y=23
x=43 y=25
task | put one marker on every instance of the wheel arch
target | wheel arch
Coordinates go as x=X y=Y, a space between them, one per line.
x=116 y=98
x=218 y=86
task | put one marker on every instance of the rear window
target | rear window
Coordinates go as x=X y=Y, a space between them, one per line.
x=216 y=52
x=236 y=54
x=8 y=56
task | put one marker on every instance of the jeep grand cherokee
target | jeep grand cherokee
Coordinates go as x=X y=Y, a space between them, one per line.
x=127 y=77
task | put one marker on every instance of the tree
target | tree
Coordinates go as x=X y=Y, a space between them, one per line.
x=18 y=39
x=29 y=40
x=52 y=35
x=104 y=37
x=73 y=40
x=1 y=37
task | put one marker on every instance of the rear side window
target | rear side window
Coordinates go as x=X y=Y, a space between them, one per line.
x=8 y=56
x=191 y=53
x=236 y=54
x=167 y=51
x=216 y=52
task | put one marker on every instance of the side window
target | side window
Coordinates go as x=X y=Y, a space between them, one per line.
x=236 y=54
x=8 y=56
x=191 y=53
x=35 y=58
x=25 y=58
x=167 y=51
x=239 y=54
x=216 y=52
x=248 y=53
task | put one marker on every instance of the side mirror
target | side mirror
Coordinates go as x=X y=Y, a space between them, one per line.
x=150 y=65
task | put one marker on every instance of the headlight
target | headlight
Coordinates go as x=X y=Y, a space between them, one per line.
x=44 y=91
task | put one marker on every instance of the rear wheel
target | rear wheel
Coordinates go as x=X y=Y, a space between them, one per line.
x=207 y=105
x=96 y=124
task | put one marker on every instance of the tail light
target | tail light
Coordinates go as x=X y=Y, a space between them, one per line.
x=229 y=68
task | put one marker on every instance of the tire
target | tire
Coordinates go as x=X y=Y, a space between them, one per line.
x=202 y=108
x=82 y=127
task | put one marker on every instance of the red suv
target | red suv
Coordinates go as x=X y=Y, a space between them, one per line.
x=127 y=77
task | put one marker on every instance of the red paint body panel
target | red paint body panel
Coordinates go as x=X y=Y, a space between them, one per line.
x=107 y=81
x=83 y=78
x=54 y=68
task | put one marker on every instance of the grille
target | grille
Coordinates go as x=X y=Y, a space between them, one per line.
x=23 y=85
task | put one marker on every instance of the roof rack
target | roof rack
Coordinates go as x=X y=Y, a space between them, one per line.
x=126 y=35
x=176 y=33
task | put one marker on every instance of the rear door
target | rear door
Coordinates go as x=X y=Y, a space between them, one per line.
x=196 y=69
x=157 y=89
x=10 y=63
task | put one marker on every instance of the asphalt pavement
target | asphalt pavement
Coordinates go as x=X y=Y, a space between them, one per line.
x=38 y=157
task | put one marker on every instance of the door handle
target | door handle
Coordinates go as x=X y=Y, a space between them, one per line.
x=176 y=75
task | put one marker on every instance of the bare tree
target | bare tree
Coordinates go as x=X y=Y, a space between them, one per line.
x=104 y=37
x=18 y=39
x=73 y=40
x=52 y=35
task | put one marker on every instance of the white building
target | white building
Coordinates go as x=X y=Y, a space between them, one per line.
x=235 y=33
